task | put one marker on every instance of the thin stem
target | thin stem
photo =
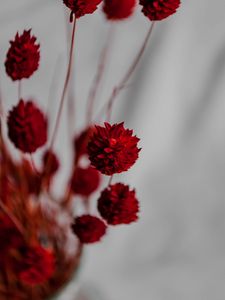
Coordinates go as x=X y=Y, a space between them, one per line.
x=99 y=74
x=33 y=164
x=62 y=100
x=12 y=218
x=128 y=74
x=110 y=180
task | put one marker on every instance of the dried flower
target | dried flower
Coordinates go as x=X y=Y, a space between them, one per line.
x=118 y=9
x=85 y=181
x=89 y=229
x=118 y=205
x=157 y=10
x=27 y=127
x=36 y=266
x=113 y=149
x=82 y=7
x=23 y=56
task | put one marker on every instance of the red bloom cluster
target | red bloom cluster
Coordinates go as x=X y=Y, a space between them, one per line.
x=113 y=149
x=27 y=127
x=118 y=9
x=89 y=229
x=23 y=56
x=157 y=10
x=82 y=7
x=118 y=205
x=37 y=265
x=85 y=181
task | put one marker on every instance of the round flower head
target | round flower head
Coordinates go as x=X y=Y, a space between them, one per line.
x=82 y=7
x=85 y=181
x=113 y=149
x=118 y=9
x=157 y=10
x=36 y=266
x=89 y=229
x=27 y=127
x=118 y=205
x=23 y=56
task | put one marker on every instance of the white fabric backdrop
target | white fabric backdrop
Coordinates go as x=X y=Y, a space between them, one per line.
x=176 y=106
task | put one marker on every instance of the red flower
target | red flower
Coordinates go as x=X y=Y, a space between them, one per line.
x=82 y=7
x=89 y=229
x=27 y=127
x=37 y=265
x=113 y=149
x=81 y=141
x=157 y=10
x=85 y=181
x=50 y=162
x=118 y=9
x=23 y=56
x=118 y=205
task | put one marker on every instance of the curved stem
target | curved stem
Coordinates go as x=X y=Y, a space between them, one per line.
x=33 y=165
x=99 y=75
x=128 y=74
x=62 y=100
x=110 y=180
x=12 y=218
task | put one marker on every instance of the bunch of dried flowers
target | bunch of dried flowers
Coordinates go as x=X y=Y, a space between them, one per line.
x=42 y=237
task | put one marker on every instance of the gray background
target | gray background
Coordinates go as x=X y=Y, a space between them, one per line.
x=176 y=105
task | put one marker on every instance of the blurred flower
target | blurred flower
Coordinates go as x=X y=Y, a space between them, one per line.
x=118 y=205
x=113 y=149
x=27 y=127
x=36 y=266
x=23 y=56
x=157 y=10
x=89 y=229
x=82 y=7
x=118 y=9
x=85 y=181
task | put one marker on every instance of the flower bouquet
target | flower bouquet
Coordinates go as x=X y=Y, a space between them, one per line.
x=42 y=235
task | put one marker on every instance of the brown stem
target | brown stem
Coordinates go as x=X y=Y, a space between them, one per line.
x=99 y=75
x=62 y=100
x=12 y=218
x=128 y=74
x=33 y=165
x=110 y=180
